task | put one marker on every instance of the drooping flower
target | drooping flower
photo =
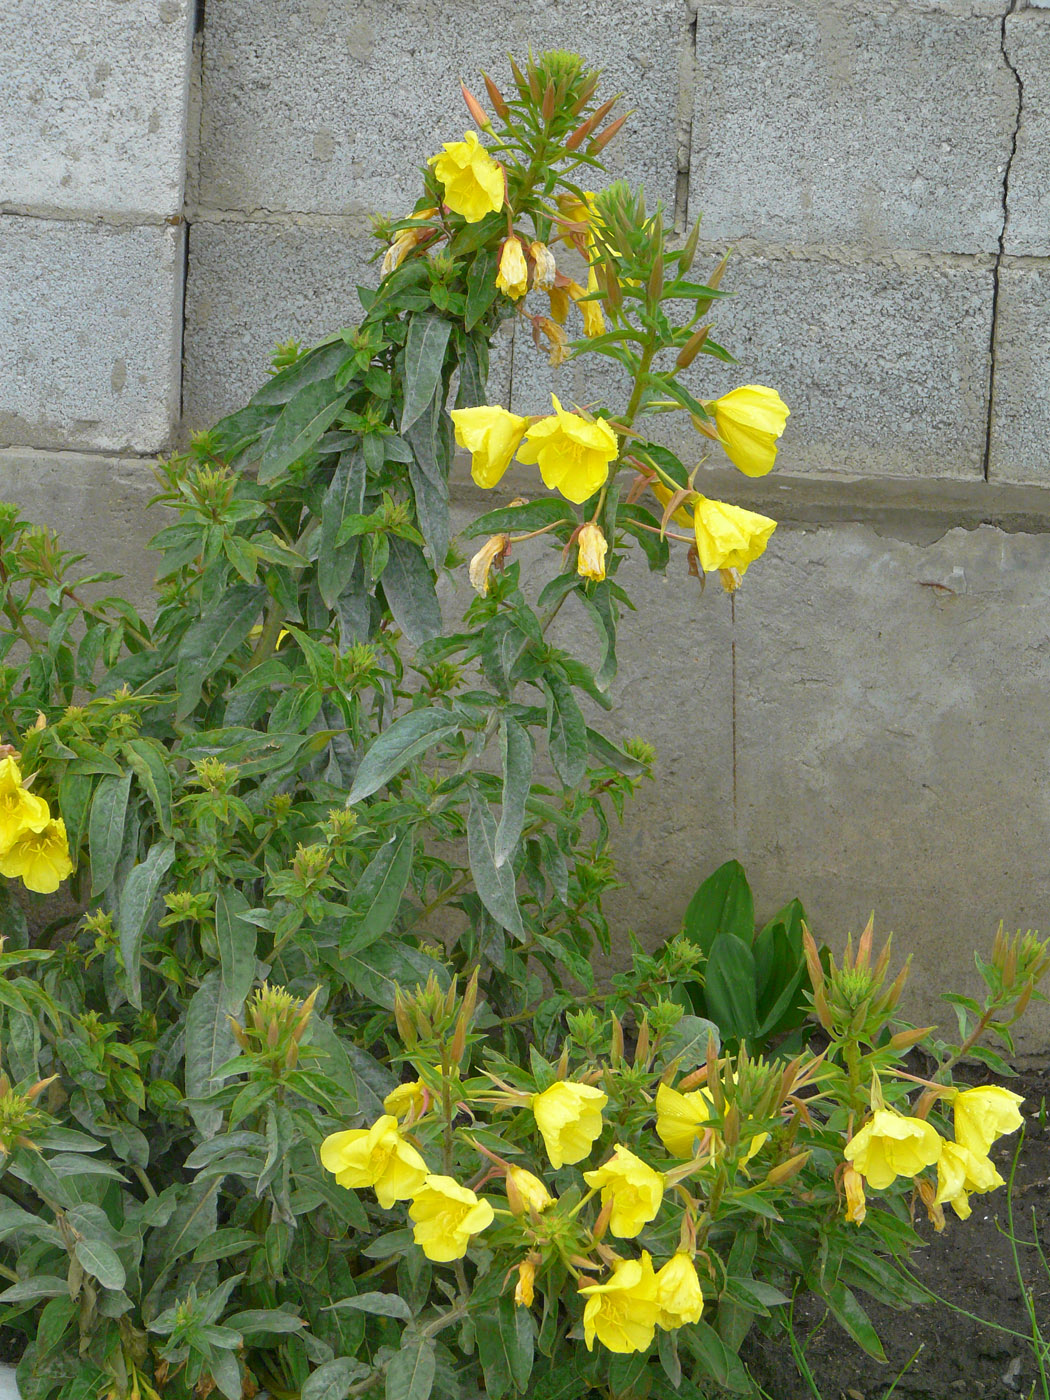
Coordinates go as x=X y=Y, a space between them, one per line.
x=377 y=1156
x=729 y=537
x=446 y=1215
x=512 y=275
x=526 y=1192
x=472 y=180
x=39 y=858
x=853 y=1185
x=544 y=267
x=407 y=1100
x=593 y=547
x=622 y=1313
x=569 y=1116
x=961 y=1172
x=573 y=455
x=749 y=421
x=491 y=435
x=591 y=311
x=678 y=1293
x=481 y=565
x=891 y=1145
x=633 y=1189
x=21 y=811
x=404 y=241
x=984 y=1114
x=680 y=515
x=524 y=1289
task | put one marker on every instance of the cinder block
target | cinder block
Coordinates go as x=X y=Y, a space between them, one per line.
x=1020 y=438
x=94 y=111
x=1028 y=204
x=252 y=285
x=90 y=354
x=330 y=107
x=891 y=742
x=882 y=128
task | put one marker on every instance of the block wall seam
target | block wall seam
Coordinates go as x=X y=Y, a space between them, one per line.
x=684 y=125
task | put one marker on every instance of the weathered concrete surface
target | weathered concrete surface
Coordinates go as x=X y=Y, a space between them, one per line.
x=1028 y=203
x=881 y=128
x=90 y=353
x=328 y=108
x=94 y=111
x=1020 y=437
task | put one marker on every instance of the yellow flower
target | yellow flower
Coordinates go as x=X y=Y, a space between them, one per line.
x=39 y=858
x=984 y=1114
x=681 y=1120
x=377 y=1156
x=491 y=435
x=407 y=1100
x=729 y=537
x=446 y=1215
x=21 y=811
x=569 y=1116
x=890 y=1145
x=573 y=455
x=526 y=1192
x=473 y=181
x=593 y=547
x=678 y=1293
x=622 y=1313
x=853 y=1185
x=480 y=567
x=512 y=277
x=960 y=1171
x=634 y=1189
x=544 y=267
x=749 y=421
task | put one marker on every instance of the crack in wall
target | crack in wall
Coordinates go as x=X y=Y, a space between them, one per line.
x=1010 y=10
x=191 y=187
x=684 y=120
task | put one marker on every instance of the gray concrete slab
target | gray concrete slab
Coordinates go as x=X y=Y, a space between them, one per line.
x=1020 y=437
x=94 y=111
x=90 y=352
x=1028 y=204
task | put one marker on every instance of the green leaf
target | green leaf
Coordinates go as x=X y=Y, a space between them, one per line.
x=716 y=1359
x=302 y=421
x=566 y=732
x=209 y=1044
x=316 y=365
x=515 y=746
x=209 y=641
x=381 y=1304
x=729 y=988
x=377 y=896
x=633 y=518
x=254 y=1323
x=74 y=802
x=548 y=510
x=722 y=904
x=410 y=1371
x=607 y=752
x=424 y=360
x=106 y=830
x=849 y=1314
x=494 y=883
x=397 y=746
x=136 y=901
x=31 y=1289
x=408 y=586
x=147 y=761
x=237 y=939
x=99 y=1260
x=481 y=286
x=686 y=1042
x=333 y=1379
x=224 y=1242
x=345 y=497
x=378 y=971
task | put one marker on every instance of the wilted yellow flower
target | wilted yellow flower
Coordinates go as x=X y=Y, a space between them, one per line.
x=512 y=276
x=377 y=1156
x=481 y=565
x=569 y=1116
x=526 y=1192
x=544 y=267
x=446 y=1215
x=559 y=299
x=573 y=455
x=557 y=340
x=984 y=1114
x=404 y=241
x=891 y=1145
x=524 y=1291
x=593 y=547
x=491 y=435
x=407 y=1100
x=749 y=421
x=729 y=537
x=635 y=1190
x=473 y=181
x=960 y=1172
x=853 y=1185
x=622 y=1313
x=21 y=811
x=678 y=1293
x=39 y=858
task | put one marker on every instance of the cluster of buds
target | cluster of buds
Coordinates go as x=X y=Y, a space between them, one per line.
x=275 y=1021
x=433 y=1017
x=1017 y=966
x=852 y=1002
x=20 y=1118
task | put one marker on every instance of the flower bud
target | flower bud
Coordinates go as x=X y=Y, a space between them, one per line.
x=853 y=1185
x=496 y=98
x=475 y=108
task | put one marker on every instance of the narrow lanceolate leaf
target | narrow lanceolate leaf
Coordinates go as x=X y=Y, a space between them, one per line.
x=303 y=419
x=98 y=1259
x=209 y=1044
x=424 y=359
x=147 y=763
x=396 y=747
x=410 y=1371
x=516 y=754
x=345 y=496
x=408 y=586
x=236 y=938
x=495 y=883
x=106 y=829
x=136 y=900
x=377 y=897
x=210 y=641
x=332 y=1379
x=381 y=1304
x=566 y=732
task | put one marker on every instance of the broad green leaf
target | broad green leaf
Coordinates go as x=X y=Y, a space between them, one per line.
x=494 y=883
x=849 y=1314
x=612 y=756
x=599 y=604
x=715 y=1358
x=148 y=764
x=547 y=510
x=209 y=641
x=687 y=1041
x=566 y=732
x=74 y=802
x=345 y=496
x=408 y=586
x=729 y=988
x=209 y=1044
x=262 y=1322
x=432 y=510
x=381 y=1304
x=481 y=286
x=397 y=746
x=410 y=1371
x=377 y=896
x=332 y=1380
x=136 y=900
x=722 y=904
x=106 y=829
x=31 y=1289
x=516 y=756
x=98 y=1259
x=424 y=360
x=303 y=419
x=314 y=367
x=377 y=972
x=237 y=939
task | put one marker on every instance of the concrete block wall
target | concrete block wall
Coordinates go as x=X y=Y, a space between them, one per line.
x=865 y=727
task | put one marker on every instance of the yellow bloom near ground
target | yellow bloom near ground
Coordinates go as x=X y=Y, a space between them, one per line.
x=961 y=1173
x=983 y=1115
x=633 y=1189
x=729 y=537
x=622 y=1313
x=21 y=811
x=891 y=1145
x=377 y=1156
x=573 y=455
x=678 y=1293
x=39 y=858
x=749 y=421
x=445 y=1216
x=569 y=1116
x=491 y=435
x=472 y=180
